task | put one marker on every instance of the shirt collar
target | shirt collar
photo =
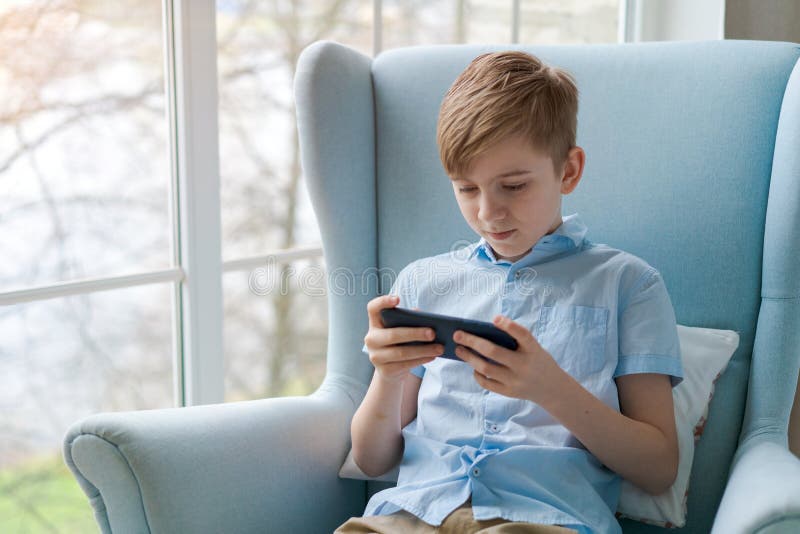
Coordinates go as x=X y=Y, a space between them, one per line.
x=569 y=235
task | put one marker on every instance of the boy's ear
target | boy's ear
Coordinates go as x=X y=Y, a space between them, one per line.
x=573 y=170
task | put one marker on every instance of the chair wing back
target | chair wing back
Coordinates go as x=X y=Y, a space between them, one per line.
x=692 y=164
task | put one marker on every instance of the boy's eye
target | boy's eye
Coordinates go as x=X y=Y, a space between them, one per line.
x=515 y=187
x=510 y=187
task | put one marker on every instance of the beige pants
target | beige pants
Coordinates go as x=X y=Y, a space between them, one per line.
x=460 y=521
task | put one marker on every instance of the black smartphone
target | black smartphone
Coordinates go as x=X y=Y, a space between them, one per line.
x=444 y=326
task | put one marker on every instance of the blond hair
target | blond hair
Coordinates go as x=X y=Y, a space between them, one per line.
x=502 y=94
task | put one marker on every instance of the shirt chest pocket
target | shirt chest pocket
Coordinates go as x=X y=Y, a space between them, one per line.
x=575 y=336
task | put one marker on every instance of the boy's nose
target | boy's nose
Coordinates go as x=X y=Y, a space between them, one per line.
x=490 y=210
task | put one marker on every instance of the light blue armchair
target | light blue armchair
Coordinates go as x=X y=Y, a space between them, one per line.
x=693 y=163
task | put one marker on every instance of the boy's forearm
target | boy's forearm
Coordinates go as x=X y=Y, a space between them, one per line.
x=637 y=451
x=375 y=429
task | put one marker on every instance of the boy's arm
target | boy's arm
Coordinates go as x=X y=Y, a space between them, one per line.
x=375 y=430
x=377 y=424
x=640 y=444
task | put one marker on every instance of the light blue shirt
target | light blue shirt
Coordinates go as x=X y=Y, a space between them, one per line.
x=600 y=312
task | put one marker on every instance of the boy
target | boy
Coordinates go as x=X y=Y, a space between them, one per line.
x=537 y=439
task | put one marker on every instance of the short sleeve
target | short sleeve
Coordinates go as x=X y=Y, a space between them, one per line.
x=404 y=287
x=648 y=332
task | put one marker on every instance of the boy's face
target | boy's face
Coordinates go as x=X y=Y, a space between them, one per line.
x=511 y=195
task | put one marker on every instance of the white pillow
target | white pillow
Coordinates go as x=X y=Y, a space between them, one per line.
x=705 y=353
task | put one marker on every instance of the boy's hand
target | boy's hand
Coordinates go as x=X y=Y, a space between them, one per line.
x=392 y=361
x=523 y=373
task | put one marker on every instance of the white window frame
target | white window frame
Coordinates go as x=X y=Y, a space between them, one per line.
x=191 y=81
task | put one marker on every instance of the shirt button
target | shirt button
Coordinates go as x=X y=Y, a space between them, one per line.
x=476 y=471
x=494 y=428
x=517 y=274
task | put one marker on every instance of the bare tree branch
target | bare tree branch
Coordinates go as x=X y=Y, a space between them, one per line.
x=105 y=106
x=224 y=42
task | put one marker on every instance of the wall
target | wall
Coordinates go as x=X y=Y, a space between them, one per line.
x=775 y=20
x=700 y=20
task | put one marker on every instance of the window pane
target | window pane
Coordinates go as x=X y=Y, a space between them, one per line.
x=264 y=202
x=487 y=21
x=569 y=21
x=276 y=327
x=63 y=359
x=84 y=174
x=415 y=22
x=418 y=22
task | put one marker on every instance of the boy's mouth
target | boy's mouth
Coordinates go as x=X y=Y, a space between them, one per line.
x=501 y=235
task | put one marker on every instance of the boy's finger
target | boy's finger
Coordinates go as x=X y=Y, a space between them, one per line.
x=514 y=329
x=403 y=334
x=390 y=355
x=482 y=346
x=486 y=369
x=375 y=306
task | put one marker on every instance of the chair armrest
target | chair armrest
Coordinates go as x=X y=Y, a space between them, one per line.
x=763 y=491
x=242 y=467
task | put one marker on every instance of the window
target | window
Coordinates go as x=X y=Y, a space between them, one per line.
x=137 y=224
x=84 y=195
